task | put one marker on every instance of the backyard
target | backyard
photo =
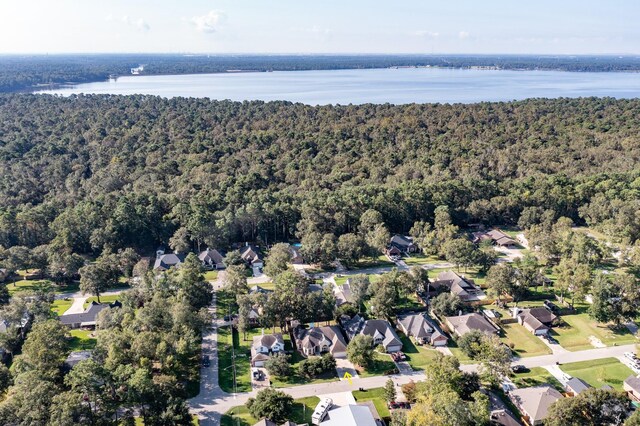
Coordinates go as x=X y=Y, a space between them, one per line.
x=81 y=340
x=302 y=412
x=606 y=371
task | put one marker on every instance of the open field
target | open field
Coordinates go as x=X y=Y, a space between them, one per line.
x=600 y=372
x=302 y=412
x=575 y=335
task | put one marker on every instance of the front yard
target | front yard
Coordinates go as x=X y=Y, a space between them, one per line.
x=103 y=299
x=302 y=411
x=376 y=395
x=381 y=364
x=417 y=356
x=600 y=372
x=536 y=376
x=60 y=306
x=225 y=369
x=525 y=344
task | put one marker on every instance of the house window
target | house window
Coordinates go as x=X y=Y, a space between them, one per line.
x=324 y=348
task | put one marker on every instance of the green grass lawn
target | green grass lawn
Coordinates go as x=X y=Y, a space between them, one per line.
x=417 y=356
x=243 y=366
x=140 y=422
x=457 y=352
x=574 y=336
x=536 y=376
x=409 y=302
x=369 y=262
x=381 y=363
x=81 y=340
x=341 y=279
x=59 y=306
x=421 y=259
x=24 y=285
x=302 y=411
x=377 y=396
x=525 y=343
x=600 y=372
x=103 y=299
x=211 y=275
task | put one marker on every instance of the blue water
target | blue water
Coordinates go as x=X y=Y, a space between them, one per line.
x=396 y=86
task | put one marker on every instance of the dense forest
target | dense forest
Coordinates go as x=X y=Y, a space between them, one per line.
x=20 y=73
x=86 y=174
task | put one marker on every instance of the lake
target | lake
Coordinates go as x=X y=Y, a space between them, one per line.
x=396 y=86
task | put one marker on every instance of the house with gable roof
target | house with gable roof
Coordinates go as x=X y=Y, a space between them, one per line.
x=380 y=330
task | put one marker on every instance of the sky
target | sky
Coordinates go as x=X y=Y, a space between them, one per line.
x=320 y=26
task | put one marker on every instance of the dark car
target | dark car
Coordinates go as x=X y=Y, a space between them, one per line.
x=519 y=369
x=205 y=361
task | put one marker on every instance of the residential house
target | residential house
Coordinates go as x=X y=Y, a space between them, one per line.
x=343 y=294
x=381 y=331
x=89 y=316
x=164 y=261
x=422 y=330
x=576 y=386
x=212 y=259
x=320 y=340
x=252 y=256
x=537 y=320
x=296 y=257
x=74 y=358
x=463 y=324
x=497 y=238
x=349 y=415
x=465 y=288
x=264 y=346
x=399 y=245
x=632 y=386
x=534 y=402
x=258 y=289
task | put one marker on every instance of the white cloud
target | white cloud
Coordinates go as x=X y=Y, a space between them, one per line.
x=210 y=22
x=463 y=35
x=427 y=34
x=139 y=23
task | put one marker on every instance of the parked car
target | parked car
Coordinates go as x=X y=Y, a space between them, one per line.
x=205 y=361
x=519 y=369
x=401 y=356
x=257 y=374
x=631 y=356
x=393 y=404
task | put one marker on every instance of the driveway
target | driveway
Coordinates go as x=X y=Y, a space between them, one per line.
x=343 y=366
x=404 y=367
x=77 y=307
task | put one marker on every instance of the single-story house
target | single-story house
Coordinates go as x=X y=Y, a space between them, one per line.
x=88 y=317
x=264 y=346
x=632 y=386
x=399 y=245
x=534 y=402
x=422 y=330
x=320 y=340
x=258 y=289
x=164 y=262
x=576 y=386
x=75 y=357
x=381 y=331
x=252 y=256
x=462 y=324
x=343 y=294
x=349 y=415
x=212 y=259
x=465 y=288
x=497 y=237
x=296 y=257
x=537 y=320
